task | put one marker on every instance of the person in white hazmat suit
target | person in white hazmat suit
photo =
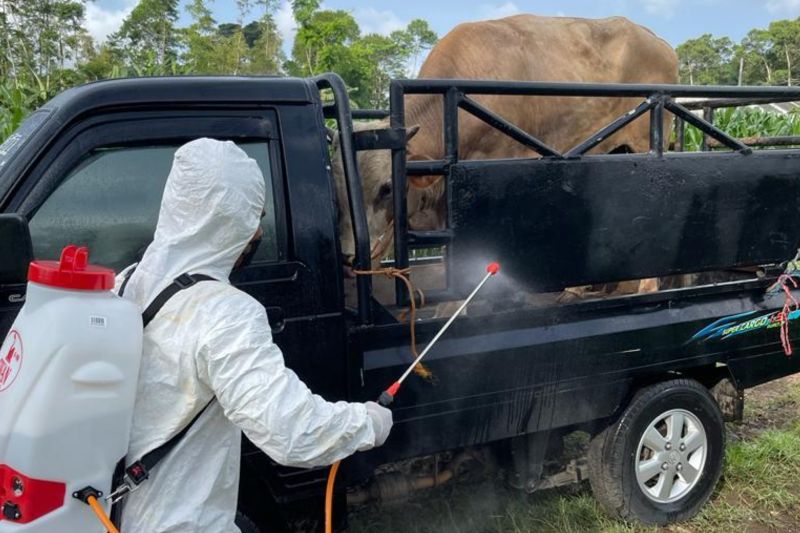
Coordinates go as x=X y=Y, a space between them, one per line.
x=213 y=341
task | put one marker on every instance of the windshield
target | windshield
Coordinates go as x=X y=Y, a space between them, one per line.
x=14 y=143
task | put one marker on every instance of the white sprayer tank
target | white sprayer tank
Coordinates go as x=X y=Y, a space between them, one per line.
x=68 y=371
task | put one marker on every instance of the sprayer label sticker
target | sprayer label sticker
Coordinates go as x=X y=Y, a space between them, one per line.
x=97 y=321
x=10 y=359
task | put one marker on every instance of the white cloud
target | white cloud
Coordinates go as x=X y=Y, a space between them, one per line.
x=498 y=11
x=287 y=26
x=790 y=7
x=370 y=20
x=102 y=22
x=664 y=8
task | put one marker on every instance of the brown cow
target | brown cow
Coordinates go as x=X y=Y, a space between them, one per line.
x=522 y=47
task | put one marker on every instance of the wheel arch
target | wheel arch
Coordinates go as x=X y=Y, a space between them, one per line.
x=718 y=378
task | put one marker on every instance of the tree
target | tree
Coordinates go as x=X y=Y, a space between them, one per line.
x=303 y=10
x=756 y=47
x=267 y=54
x=201 y=42
x=376 y=60
x=148 y=37
x=40 y=40
x=706 y=60
x=419 y=38
x=323 y=43
x=785 y=50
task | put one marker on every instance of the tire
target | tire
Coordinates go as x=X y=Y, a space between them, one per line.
x=621 y=451
x=244 y=523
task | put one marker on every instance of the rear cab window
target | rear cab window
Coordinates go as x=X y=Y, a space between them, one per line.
x=111 y=199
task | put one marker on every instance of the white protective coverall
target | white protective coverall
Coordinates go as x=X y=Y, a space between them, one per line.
x=214 y=340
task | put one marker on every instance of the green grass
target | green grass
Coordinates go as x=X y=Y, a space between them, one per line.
x=759 y=491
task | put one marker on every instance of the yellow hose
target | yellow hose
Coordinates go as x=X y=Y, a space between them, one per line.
x=101 y=514
x=329 y=497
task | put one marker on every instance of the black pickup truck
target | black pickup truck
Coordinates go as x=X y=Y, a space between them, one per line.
x=650 y=377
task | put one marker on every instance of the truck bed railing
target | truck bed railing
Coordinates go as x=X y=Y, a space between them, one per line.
x=340 y=110
x=459 y=95
x=456 y=94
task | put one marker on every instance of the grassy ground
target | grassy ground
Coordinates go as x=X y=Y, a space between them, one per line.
x=759 y=492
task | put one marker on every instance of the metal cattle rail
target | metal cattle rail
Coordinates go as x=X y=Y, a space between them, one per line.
x=459 y=95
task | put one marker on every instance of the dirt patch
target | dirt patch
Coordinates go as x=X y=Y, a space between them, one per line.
x=773 y=405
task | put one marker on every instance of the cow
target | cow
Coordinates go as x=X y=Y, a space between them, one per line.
x=520 y=47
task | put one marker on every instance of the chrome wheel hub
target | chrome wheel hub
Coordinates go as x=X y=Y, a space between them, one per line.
x=671 y=456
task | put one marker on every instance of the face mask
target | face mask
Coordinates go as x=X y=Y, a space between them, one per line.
x=248 y=254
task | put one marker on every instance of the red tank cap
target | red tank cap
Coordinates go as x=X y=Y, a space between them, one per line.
x=72 y=272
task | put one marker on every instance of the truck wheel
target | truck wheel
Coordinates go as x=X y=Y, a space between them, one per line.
x=244 y=523
x=660 y=461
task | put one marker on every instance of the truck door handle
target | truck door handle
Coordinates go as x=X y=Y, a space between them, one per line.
x=277 y=319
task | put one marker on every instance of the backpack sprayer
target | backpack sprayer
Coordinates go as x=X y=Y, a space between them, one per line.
x=387 y=396
x=68 y=373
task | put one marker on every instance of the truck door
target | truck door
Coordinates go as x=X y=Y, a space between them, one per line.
x=101 y=182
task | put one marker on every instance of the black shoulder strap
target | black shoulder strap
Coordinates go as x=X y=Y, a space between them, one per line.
x=139 y=470
x=125 y=281
x=153 y=457
x=184 y=281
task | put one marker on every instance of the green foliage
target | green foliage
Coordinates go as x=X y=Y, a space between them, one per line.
x=148 y=35
x=746 y=122
x=331 y=41
x=764 y=57
x=15 y=104
x=706 y=60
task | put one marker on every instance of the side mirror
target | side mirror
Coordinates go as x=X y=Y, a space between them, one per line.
x=16 y=250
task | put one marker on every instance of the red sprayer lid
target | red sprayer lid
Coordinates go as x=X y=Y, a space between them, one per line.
x=72 y=272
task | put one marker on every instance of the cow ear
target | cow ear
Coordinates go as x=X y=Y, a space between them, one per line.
x=423 y=182
x=411 y=131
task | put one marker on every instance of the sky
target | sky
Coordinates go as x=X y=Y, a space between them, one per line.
x=674 y=20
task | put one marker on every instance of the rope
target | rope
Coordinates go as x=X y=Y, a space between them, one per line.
x=403 y=275
x=790 y=304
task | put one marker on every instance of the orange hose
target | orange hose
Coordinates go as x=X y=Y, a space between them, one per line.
x=329 y=497
x=101 y=514
x=420 y=369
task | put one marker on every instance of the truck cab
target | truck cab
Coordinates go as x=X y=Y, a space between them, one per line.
x=90 y=166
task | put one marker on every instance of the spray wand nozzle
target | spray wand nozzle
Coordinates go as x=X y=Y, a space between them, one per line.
x=387 y=397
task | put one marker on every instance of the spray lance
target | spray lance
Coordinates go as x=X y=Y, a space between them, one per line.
x=387 y=397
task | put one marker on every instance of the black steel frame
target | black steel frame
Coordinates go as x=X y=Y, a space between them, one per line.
x=339 y=109
x=456 y=94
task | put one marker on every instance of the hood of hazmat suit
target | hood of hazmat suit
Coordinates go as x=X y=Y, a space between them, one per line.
x=212 y=340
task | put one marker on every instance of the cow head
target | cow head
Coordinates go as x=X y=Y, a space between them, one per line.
x=375 y=168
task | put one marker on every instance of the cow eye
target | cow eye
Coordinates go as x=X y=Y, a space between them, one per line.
x=385 y=191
